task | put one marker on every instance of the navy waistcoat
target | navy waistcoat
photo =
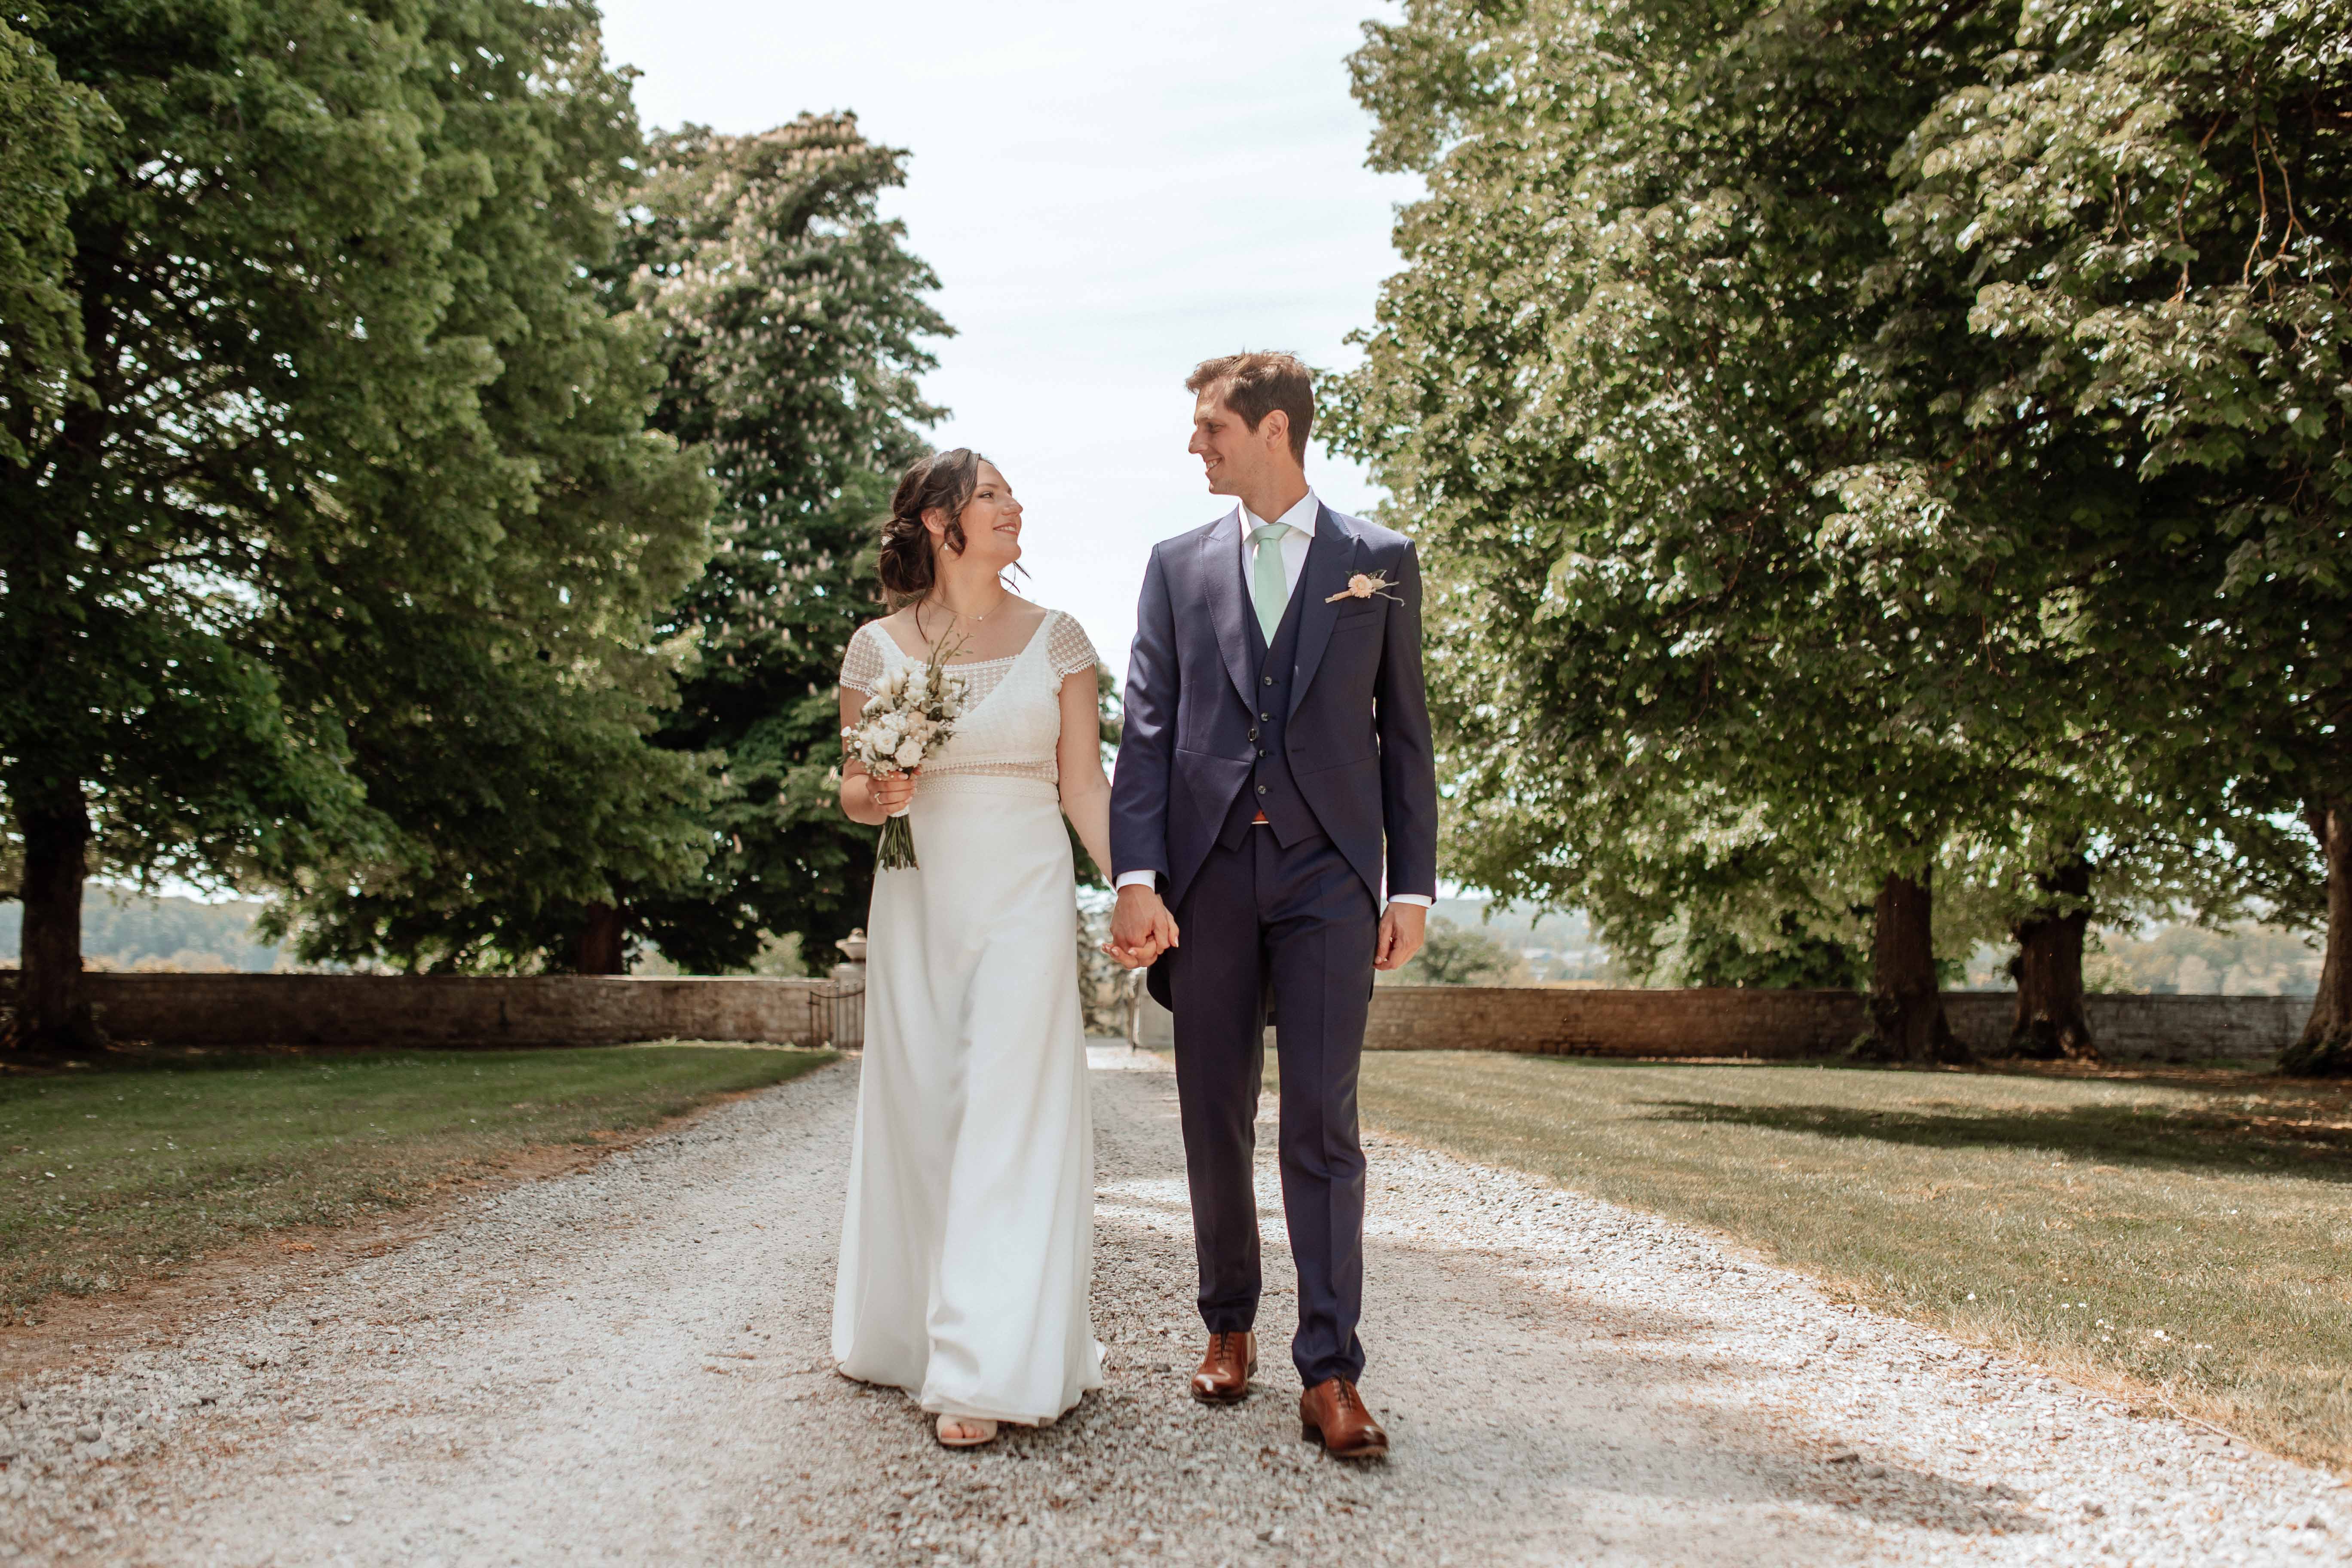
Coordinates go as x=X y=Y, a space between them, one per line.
x=1272 y=789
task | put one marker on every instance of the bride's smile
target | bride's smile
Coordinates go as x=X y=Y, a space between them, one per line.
x=992 y=522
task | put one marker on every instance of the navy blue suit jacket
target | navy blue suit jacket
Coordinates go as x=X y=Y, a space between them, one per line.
x=1357 y=730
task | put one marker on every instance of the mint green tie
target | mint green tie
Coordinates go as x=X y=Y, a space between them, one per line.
x=1268 y=589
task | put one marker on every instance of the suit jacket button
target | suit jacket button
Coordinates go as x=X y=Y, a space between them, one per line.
x=1261 y=789
x=1253 y=734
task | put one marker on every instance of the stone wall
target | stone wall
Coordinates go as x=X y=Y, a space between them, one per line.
x=576 y=1010
x=1772 y=1025
x=469 y=1011
x=2139 y=1027
x=1549 y=1021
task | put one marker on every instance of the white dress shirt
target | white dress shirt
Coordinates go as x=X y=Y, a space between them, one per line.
x=1294 y=546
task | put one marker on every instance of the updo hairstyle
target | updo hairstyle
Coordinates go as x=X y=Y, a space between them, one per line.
x=908 y=567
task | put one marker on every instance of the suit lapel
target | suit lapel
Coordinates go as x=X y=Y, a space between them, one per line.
x=1331 y=561
x=1220 y=566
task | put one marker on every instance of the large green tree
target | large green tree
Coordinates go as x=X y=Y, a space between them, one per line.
x=2153 y=204
x=1756 y=622
x=790 y=319
x=1606 y=391
x=349 y=483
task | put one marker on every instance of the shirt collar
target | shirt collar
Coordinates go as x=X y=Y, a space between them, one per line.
x=1300 y=516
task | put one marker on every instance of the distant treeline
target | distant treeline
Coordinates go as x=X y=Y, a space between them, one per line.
x=123 y=930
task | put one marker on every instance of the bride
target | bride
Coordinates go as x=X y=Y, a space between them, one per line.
x=967 y=1250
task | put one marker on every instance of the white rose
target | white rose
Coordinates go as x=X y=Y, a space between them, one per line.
x=909 y=754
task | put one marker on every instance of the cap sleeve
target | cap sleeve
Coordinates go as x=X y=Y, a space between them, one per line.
x=1067 y=646
x=861 y=661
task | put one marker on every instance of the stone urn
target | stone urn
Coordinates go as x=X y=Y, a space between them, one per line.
x=852 y=946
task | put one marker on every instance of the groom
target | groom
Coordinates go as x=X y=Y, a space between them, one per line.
x=1275 y=778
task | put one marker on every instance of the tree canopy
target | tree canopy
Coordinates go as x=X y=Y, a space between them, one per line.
x=790 y=317
x=2153 y=206
x=346 y=480
x=778 y=321
x=1754 y=624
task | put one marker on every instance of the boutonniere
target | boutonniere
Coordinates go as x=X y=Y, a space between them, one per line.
x=1364 y=586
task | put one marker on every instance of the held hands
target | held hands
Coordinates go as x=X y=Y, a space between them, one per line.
x=1402 y=928
x=1141 y=928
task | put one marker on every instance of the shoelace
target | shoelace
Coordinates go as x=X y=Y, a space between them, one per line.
x=1218 y=1349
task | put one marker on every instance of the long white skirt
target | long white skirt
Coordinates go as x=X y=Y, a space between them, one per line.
x=967 y=1252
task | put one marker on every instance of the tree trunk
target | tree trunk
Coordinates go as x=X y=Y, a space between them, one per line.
x=1906 y=1006
x=2051 y=1025
x=2325 y=1047
x=53 y=1017
x=601 y=950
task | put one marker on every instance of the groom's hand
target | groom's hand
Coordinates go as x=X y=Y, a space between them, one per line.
x=1402 y=928
x=1141 y=928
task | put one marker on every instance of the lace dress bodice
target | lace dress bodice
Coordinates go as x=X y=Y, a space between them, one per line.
x=1012 y=721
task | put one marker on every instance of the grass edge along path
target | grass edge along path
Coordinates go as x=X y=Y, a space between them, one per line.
x=2178 y=1237
x=119 y=1176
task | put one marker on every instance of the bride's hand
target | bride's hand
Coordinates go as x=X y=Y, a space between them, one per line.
x=890 y=792
x=1142 y=957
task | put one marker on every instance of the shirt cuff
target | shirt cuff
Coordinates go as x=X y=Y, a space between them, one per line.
x=1136 y=880
x=1423 y=899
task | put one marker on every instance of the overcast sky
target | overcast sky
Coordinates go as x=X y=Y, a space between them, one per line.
x=1109 y=194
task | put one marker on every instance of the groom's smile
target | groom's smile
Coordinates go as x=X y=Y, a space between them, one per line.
x=1219 y=437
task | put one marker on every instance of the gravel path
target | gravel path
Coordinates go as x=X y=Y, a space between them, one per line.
x=629 y=1365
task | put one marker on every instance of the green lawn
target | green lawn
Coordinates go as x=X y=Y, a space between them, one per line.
x=113 y=1174
x=2184 y=1234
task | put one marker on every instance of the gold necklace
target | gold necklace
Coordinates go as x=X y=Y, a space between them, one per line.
x=975 y=620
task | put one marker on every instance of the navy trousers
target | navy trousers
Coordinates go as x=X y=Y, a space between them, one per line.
x=1297 y=925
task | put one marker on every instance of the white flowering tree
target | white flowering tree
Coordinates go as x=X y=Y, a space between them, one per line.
x=792 y=319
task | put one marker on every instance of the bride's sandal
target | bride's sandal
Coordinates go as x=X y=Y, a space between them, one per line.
x=965 y=1431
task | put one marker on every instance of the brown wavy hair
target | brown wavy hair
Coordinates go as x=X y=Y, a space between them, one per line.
x=1254 y=384
x=910 y=565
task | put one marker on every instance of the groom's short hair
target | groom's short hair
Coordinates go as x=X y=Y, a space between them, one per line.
x=1254 y=384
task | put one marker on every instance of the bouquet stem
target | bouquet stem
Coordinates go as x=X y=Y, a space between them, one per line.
x=897 y=851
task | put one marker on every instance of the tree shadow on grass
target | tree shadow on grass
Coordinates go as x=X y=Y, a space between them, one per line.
x=2205 y=1138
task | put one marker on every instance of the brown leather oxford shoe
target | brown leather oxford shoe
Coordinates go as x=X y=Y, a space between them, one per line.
x=1226 y=1369
x=1333 y=1412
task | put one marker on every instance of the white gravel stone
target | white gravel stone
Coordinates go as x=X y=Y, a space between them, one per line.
x=631 y=1365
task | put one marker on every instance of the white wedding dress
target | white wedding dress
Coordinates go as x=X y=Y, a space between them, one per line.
x=967 y=1252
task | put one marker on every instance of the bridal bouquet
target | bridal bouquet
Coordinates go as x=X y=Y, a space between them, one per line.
x=910 y=715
